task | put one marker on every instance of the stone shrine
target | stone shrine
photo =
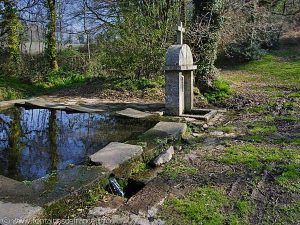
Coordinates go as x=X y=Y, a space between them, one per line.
x=179 y=77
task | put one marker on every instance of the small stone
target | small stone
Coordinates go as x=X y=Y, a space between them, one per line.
x=205 y=126
x=158 y=222
x=198 y=135
x=101 y=211
x=159 y=113
x=138 y=220
x=187 y=119
x=210 y=124
x=165 y=157
x=231 y=135
x=178 y=148
x=217 y=133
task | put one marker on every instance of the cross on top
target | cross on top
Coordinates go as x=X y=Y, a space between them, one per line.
x=180 y=30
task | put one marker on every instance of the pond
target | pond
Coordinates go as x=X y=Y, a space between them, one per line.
x=36 y=142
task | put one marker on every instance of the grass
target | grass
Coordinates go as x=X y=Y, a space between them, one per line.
x=206 y=205
x=256 y=156
x=12 y=88
x=177 y=167
x=274 y=68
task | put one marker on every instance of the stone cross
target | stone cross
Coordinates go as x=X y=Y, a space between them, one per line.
x=180 y=30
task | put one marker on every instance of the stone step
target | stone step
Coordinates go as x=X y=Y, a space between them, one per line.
x=133 y=113
x=116 y=154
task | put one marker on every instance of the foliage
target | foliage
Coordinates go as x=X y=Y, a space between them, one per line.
x=245 y=51
x=250 y=28
x=205 y=29
x=136 y=45
x=221 y=91
x=12 y=64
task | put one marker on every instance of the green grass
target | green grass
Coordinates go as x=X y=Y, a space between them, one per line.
x=222 y=90
x=275 y=70
x=263 y=129
x=177 y=167
x=206 y=205
x=256 y=156
x=13 y=88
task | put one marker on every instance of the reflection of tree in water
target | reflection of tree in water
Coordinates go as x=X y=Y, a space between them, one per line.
x=14 y=150
x=52 y=139
x=38 y=141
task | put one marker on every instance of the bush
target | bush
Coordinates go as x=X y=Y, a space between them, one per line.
x=245 y=51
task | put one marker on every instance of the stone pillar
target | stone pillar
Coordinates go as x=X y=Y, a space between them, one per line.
x=188 y=91
x=174 y=93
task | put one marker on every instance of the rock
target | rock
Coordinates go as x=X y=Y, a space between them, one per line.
x=198 y=135
x=150 y=197
x=115 y=154
x=101 y=211
x=187 y=119
x=138 y=220
x=159 y=113
x=205 y=126
x=177 y=147
x=132 y=113
x=167 y=130
x=17 y=213
x=217 y=133
x=119 y=219
x=210 y=124
x=165 y=157
x=230 y=135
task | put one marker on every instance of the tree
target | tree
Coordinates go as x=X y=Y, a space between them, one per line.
x=206 y=29
x=11 y=29
x=51 y=48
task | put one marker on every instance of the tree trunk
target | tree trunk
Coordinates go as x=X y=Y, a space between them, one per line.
x=12 y=26
x=208 y=18
x=51 y=49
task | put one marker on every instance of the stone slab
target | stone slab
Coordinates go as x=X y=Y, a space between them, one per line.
x=201 y=114
x=133 y=113
x=115 y=154
x=147 y=200
x=9 y=104
x=167 y=130
x=15 y=191
x=82 y=109
x=18 y=213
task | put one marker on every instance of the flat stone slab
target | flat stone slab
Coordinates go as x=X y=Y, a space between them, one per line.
x=82 y=109
x=201 y=114
x=167 y=130
x=147 y=200
x=115 y=154
x=18 y=213
x=15 y=191
x=132 y=113
x=9 y=104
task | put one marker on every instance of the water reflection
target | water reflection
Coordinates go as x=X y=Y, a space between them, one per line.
x=37 y=141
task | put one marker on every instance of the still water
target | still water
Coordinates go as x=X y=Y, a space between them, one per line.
x=35 y=142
